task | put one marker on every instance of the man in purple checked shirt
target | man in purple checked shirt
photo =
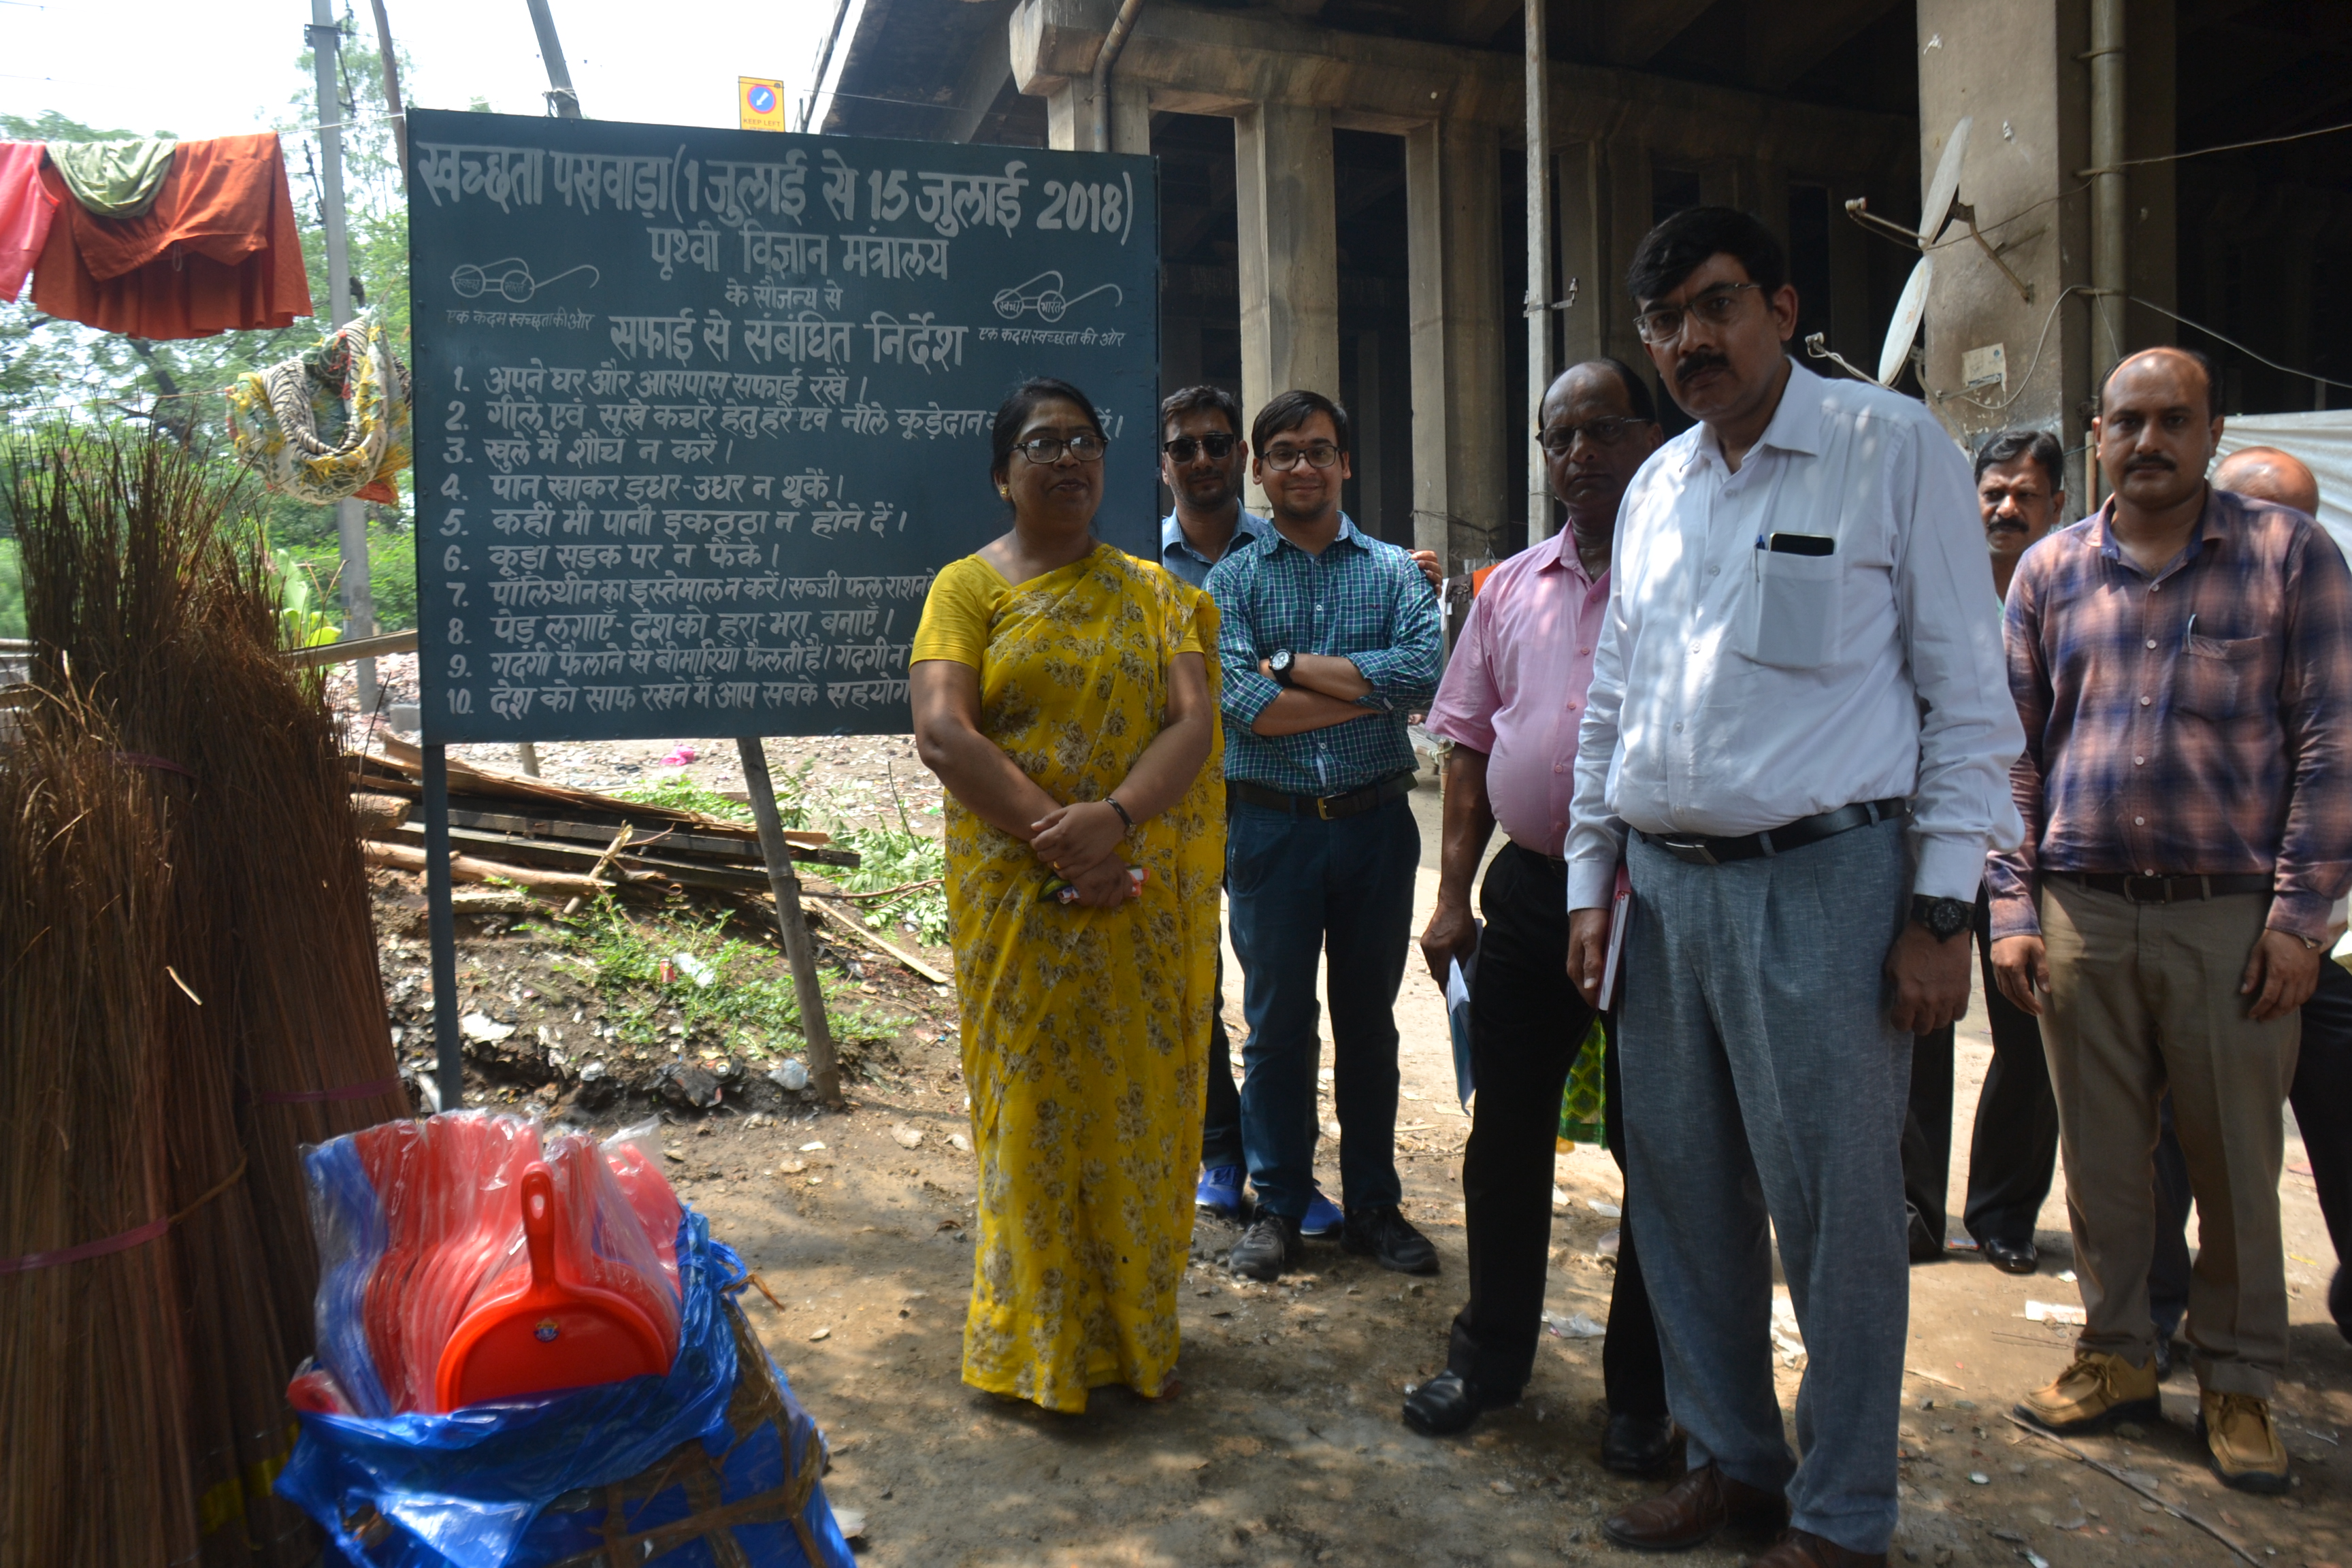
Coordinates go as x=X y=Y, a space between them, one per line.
x=2180 y=662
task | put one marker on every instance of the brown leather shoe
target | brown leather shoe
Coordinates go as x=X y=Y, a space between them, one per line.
x=1803 y=1548
x=1693 y=1510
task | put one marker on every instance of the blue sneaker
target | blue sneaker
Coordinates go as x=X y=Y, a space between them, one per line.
x=1323 y=1220
x=1220 y=1193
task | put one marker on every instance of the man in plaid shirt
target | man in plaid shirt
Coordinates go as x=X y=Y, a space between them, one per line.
x=1327 y=639
x=2182 y=660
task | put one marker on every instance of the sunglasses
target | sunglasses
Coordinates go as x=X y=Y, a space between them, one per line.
x=1184 y=448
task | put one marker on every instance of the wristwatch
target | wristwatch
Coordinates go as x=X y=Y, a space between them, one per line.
x=1279 y=664
x=1943 y=918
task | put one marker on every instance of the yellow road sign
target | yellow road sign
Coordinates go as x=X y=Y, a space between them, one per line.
x=759 y=103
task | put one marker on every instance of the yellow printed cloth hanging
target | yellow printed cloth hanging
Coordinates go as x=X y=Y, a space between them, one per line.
x=1584 y=1100
x=330 y=424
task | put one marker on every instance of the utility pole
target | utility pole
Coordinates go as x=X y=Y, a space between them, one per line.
x=2110 y=276
x=351 y=517
x=392 y=88
x=1539 y=243
x=560 y=95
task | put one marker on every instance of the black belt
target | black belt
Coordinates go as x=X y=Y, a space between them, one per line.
x=2173 y=889
x=1703 y=851
x=1330 y=808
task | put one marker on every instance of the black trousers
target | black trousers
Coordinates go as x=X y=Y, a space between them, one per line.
x=1221 y=1118
x=2013 y=1147
x=1527 y=1022
x=2322 y=1097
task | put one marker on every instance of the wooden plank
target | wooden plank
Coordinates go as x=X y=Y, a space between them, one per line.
x=351 y=651
x=856 y=927
x=467 y=869
x=468 y=780
x=632 y=866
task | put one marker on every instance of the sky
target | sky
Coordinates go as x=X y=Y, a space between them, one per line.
x=216 y=67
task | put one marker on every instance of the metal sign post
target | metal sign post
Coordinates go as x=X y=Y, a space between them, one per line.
x=824 y=1069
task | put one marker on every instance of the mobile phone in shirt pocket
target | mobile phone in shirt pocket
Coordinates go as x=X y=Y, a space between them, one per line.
x=1792 y=615
x=2216 y=677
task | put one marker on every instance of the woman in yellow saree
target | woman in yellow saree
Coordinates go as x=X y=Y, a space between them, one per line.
x=1065 y=694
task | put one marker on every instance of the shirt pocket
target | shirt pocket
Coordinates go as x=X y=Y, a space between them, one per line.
x=1791 y=620
x=2218 y=677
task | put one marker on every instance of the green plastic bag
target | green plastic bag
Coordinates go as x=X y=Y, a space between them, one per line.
x=1584 y=1100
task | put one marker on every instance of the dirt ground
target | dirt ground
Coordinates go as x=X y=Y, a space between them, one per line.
x=1284 y=1444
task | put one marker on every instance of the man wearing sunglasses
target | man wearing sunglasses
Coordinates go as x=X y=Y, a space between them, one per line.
x=1328 y=639
x=1796 y=739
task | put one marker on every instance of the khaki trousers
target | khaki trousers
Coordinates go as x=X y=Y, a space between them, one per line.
x=2143 y=996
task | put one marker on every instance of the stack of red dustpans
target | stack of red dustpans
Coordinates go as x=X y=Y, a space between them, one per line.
x=508 y=1267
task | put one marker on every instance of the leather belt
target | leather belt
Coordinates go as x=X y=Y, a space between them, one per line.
x=2171 y=890
x=1698 y=851
x=1330 y=808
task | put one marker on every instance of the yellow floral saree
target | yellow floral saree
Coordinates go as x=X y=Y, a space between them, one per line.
x=1085 y=1031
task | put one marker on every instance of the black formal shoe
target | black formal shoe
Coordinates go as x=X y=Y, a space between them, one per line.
x=1269 y=1247
x=2013 y=1256
x=1382 y=1234
x=1448 y=1403
x=1926 y=1245
x=1639 y=1445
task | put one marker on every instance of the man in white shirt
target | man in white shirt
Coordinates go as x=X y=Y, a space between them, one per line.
x=1798 y=739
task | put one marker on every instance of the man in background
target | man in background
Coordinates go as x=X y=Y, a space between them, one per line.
x=2181 y=661
x=2321 y=1093
x=2020 y=478
x=1511 y=703
x=1328 y=639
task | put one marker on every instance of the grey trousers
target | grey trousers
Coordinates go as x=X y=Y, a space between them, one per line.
x=1763 y=1081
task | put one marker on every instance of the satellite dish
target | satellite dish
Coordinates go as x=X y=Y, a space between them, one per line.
x=1904 y=330
x=1944 y=190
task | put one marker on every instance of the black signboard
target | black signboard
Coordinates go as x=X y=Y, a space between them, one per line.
x=699 y=412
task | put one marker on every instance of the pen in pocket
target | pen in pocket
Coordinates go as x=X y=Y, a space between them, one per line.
x=2187 y=631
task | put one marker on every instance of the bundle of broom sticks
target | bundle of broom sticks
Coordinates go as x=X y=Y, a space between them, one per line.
x=154 y=616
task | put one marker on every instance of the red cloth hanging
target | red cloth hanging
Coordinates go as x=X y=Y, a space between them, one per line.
x=219 y=251
x=26 y=208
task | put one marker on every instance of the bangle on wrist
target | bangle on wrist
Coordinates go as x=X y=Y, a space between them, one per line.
x=1112 y=801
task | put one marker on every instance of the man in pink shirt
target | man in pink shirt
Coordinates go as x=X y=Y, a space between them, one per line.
x=1511 y=701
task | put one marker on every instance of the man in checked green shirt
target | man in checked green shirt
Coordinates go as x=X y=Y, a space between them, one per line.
x=1328 y=639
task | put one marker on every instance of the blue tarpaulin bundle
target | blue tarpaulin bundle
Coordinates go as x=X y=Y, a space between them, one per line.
x=652 y=1469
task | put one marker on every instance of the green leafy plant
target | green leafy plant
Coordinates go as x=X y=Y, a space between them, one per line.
x=301 y=624
x=898 y=859
x=744 y=1006
x=676 y=791
x=12 y=593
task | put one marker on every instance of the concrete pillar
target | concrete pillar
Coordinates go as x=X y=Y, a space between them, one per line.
x=1583 y=251
x=1372 y=499
x=1070 y=115
x=1289 y=254
x=2013 y=66
x=1627 y=192
x=1462 y=424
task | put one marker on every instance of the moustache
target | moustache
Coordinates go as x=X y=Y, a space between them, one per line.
x=1694 y=364
x=2150 y=462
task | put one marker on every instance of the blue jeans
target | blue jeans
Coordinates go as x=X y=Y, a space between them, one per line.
x=1299 y=885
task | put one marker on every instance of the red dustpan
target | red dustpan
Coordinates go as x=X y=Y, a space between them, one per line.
x=553 y=1335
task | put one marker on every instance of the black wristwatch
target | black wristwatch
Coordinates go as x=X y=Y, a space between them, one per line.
x=1943 y=918
x=1279 y=665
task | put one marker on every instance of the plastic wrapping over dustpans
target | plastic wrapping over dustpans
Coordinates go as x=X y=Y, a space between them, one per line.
x=554 y=1334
